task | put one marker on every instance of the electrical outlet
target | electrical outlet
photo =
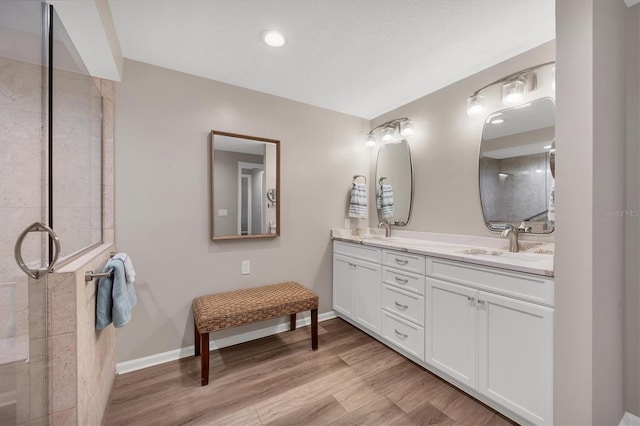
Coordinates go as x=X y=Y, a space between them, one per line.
x=246 y=267
x=223 y=212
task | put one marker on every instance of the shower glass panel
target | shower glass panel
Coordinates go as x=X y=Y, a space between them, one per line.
x=77 y=149
x=50 y=172
x=23 y=194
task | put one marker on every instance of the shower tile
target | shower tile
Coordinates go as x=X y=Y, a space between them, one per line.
x=62 y=307
x=108 y=207
x=63 y=372
x=37 y=308
x=65 y=418
x=107 y=89
x=38 y=390
x=20 y=85
x=21 y=147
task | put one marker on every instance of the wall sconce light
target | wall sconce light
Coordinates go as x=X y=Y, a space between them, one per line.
x=513 y=89
x=390 y=130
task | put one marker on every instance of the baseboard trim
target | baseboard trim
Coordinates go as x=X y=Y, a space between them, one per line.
x=630 y=420
x=151 y=360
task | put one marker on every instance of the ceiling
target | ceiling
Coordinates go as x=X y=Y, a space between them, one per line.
x=360 y=57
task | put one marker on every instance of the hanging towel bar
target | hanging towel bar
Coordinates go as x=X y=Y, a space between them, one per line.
x=90 y=275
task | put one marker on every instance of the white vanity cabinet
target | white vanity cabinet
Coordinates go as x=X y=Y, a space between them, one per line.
x=485 y=329
x=356 y=283
x=500 y=346
x=403 y=301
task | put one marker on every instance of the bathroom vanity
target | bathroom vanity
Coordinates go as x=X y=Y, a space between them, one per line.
x=480 y=318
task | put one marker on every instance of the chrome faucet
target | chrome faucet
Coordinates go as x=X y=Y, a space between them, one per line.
x=387 y=229
x=511 y=232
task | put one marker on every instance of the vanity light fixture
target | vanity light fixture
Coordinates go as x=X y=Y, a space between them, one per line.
x=390 y=130
x=514 y=87
x=273 y=38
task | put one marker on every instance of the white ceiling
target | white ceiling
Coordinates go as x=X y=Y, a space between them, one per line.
x=360 y=57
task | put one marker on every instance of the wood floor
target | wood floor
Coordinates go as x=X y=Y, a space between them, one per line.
x=351 y=379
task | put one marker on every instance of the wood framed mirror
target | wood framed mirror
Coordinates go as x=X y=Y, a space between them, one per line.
x=245 y=176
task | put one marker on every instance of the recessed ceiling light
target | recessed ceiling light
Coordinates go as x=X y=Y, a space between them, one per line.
x=547 y=147
x=273 y=38
x=497 y=121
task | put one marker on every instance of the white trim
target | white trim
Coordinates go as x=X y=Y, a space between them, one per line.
x=161 y=358
x=630 y=3
x=630 y=420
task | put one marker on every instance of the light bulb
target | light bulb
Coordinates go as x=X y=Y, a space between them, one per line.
x=512 y=91
x=387 y=134
x=370 y=141
x=406 y=128
x=475 y=104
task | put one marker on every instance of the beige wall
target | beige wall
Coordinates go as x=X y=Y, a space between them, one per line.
x=632 y=223
x=163 y=120
x=446 y=146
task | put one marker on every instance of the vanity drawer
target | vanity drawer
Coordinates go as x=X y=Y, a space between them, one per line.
x=405 y=261
x=404 y=280
x=409 y=306
x=403 y=334
x=371 y=254
x=533 y=288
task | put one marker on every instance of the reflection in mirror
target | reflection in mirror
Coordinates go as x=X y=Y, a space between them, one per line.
x=394 y=183
x=245 y=179
x=516 y=180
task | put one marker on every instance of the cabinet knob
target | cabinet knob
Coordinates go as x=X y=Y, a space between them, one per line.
x=401 y=306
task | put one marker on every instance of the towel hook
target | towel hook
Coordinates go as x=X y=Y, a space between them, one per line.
x=362 y=176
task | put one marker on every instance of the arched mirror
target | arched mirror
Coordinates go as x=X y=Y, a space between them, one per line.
x=517 y=167
x=394 y=183
x=245 y=183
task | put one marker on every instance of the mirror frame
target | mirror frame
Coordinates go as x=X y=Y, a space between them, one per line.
x=500 y=226
x=413 y=185
x=212 y=191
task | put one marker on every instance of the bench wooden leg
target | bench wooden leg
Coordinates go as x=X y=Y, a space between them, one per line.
x=314 y=329
x=293 y=322
x=204 y=359
x=196 y=339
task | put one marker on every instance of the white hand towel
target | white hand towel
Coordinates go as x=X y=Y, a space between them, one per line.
x=358 y=204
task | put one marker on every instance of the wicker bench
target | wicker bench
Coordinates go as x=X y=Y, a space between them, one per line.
x=234 y=308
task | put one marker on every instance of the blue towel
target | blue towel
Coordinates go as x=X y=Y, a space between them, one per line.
x=115 y=296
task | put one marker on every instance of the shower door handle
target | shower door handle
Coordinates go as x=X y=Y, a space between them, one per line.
x=37 y=227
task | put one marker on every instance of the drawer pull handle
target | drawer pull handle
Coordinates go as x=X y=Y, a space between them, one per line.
x=480 y=302
x=401 y=261
x=471 y=299
x=400 y=306
x=404 y=336
x=352 y=264
x=402 y=280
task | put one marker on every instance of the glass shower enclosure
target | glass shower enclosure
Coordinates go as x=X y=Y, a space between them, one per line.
x=50 y=192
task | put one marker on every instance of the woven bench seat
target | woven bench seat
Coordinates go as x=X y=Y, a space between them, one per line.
x=220 y=311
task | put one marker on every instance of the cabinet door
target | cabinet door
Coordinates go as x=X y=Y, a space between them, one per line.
x=368 y=290
x=452 y=330
x=344 y=273
x=516 y=356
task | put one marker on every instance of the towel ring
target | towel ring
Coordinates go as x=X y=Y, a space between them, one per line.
x=362 y=176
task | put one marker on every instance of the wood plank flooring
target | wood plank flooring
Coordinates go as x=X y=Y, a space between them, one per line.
x=351 y=380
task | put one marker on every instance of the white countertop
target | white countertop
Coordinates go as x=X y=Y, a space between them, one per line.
x=535 y=257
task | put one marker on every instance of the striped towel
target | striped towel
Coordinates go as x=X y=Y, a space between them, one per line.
x=358 y=203
x=384 y=201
